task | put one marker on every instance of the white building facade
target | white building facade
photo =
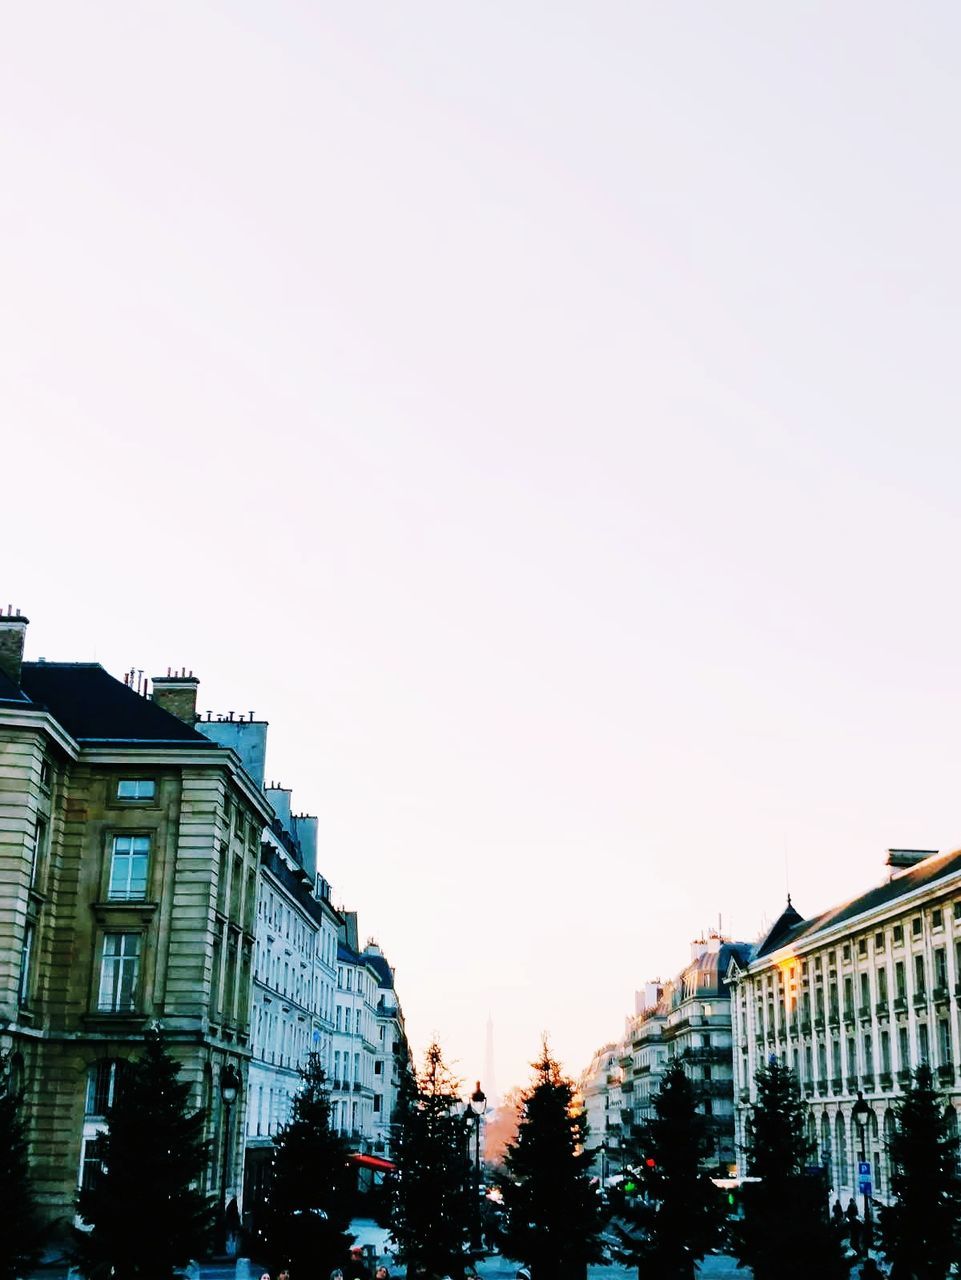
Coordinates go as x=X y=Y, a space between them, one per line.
x=853 y=1001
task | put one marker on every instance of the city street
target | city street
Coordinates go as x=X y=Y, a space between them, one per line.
x=715 y=1267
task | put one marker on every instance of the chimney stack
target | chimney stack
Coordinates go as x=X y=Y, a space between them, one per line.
x=177 y=693
x=13 y=628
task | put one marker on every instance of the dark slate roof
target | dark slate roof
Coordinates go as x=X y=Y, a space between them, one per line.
x=9 y=691
x=383 y=969
x=928 y=872
x=93 y=706
x=789 y=919
x=347 y=954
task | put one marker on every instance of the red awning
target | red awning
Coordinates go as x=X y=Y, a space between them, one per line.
x=372 y=1162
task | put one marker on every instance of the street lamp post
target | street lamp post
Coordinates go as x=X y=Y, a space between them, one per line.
x=478 y=1106
x=229 y=1090
x=862 y=1114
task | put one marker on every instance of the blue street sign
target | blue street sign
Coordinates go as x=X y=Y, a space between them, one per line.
x=864 y=1169
x=865 y=1188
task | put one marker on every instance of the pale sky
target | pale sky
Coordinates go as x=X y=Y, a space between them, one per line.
x=545 y=414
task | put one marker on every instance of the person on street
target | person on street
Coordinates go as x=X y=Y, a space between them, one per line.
x=854 y=1225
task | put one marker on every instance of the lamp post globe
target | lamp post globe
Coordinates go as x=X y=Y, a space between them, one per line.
x=475 y=1109
x=230 y=1085
x=861 y=1114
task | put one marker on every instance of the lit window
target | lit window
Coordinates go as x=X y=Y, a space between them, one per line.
x=119 y=970
x=128 y=868
x=91 y=1162
x=136 y=789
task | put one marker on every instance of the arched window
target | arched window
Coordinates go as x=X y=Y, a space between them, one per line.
x=104 y=1079
x=951 y=1117
x=840 y=1153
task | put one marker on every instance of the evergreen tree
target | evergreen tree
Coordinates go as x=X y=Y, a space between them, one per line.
x=785 y=1233
x=147 y=1214
x=430 y=1191
x=22 y=1233
x=920 y=1230
x=671 y=1221
x=552 y=1216
x=311 y=1187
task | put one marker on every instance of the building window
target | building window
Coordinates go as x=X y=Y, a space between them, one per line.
x=944 y=1042
x=919 y=975
x=862 y=946
x=119 y=970
x=846 y=952
x=957 y=910
x=904 y=1051
x=377 y=1101
x=924 y=1046
x=136 y=789
x=897 y=933
x=940 y=967
x=916 y=927
x=46 y=773
x=26 y=960
x=879 y=942
x=102 y=1080
x=900 y=986
x=378 y=1068
x=882 y=986
x=937 y=918
x=128 y=868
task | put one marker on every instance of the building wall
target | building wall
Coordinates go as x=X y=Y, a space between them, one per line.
x=354 y=1050
x=192 y=923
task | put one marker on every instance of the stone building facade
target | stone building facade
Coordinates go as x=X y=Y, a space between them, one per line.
x=853 y=1000
x=129 y=851
x=688 y=1017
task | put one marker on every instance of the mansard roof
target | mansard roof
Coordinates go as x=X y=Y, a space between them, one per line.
x=93 y=706
x=927 y=873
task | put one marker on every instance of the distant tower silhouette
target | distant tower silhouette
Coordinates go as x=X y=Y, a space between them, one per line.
x=490 y=1079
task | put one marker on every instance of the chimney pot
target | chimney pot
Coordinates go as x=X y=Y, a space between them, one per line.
x=176 y=694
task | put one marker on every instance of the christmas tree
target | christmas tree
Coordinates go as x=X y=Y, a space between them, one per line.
x=920 y=1230
x=310 y=1196
x=147 y=1216
x=671 y=1218
x=785 y=1233
x=430 y=1191
x=22 y=1234
x=552 y=1216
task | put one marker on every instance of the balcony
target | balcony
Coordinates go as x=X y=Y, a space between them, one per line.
x=885 y=1080
x=920 y=999
x=946 y=1073
x=837 y=1085
x=904 y=1077
x=900 y=1004
x=864 y=1013
x=881 y=1008
x=940 y=993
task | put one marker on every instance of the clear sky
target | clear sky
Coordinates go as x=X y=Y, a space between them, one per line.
x=545 y=414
